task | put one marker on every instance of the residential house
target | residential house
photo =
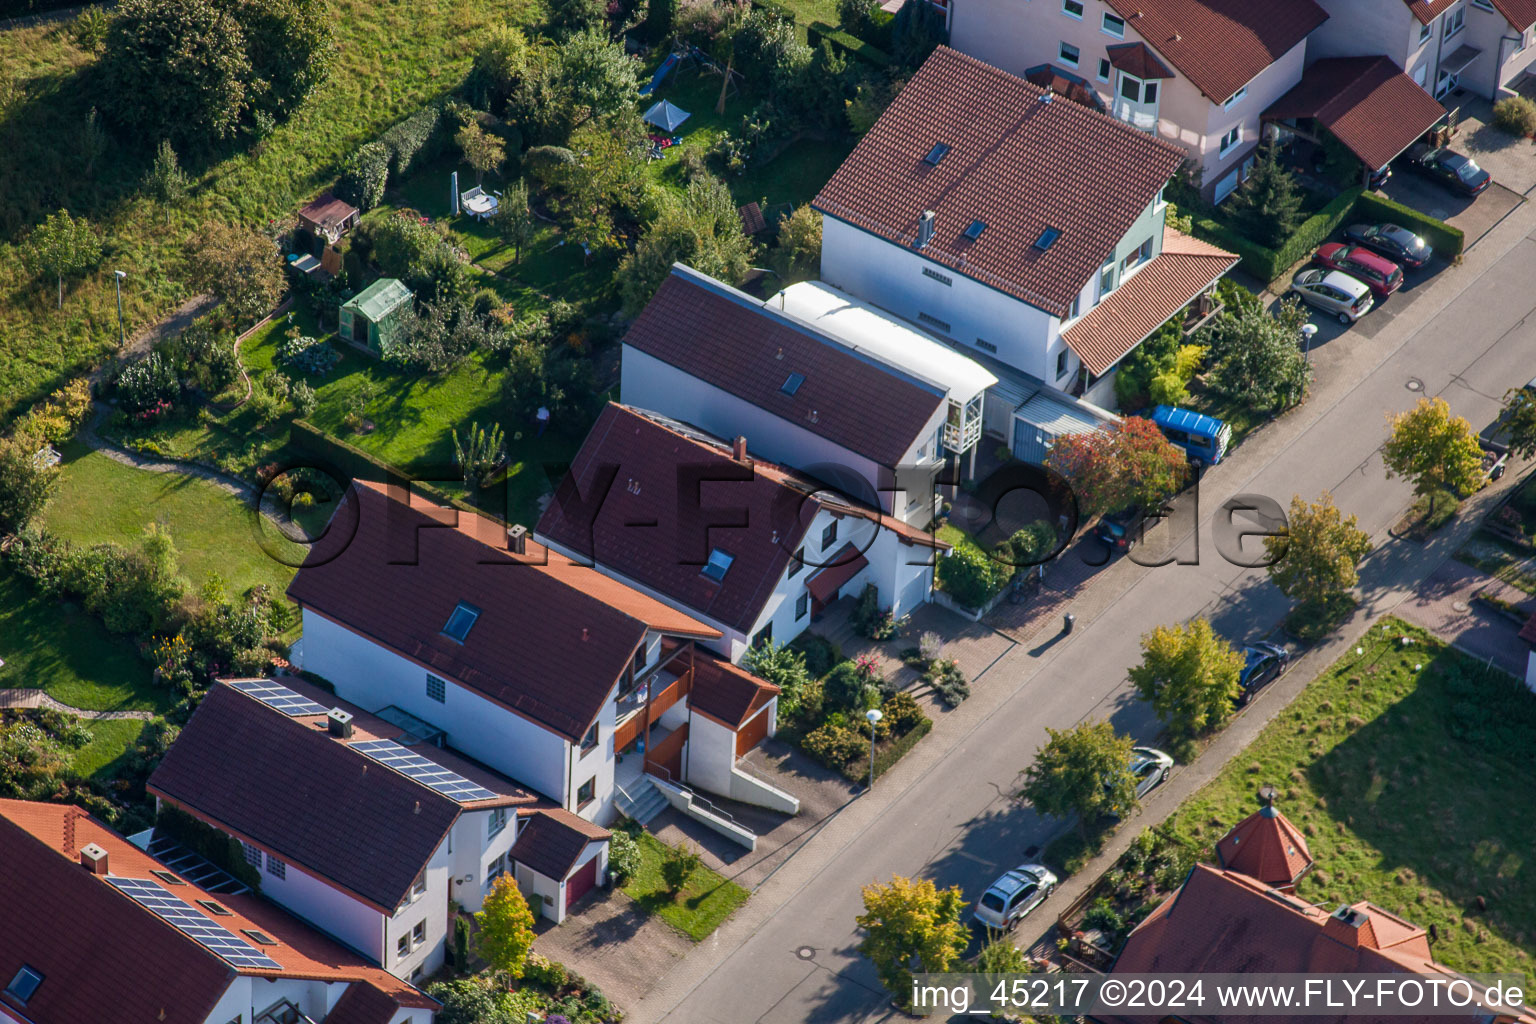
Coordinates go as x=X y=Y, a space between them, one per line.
x=1196 y=72
x=1244 y=918
x=1484 y=46
x=748 y=547
x=298 y=778
x=535 y=666
x=370 y=318
x=97 y=929
x=1027 y=233
x=831 y=403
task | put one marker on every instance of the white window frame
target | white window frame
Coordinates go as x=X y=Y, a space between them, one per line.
x=496 y=822
x=1142 y=85
x=1425 y=31
x=1066 y=8
x=1106 y=69
x=1061 y=363
x=1107 y=270
x=403 y=945
x=1455 y=21
x=802 y=605
x=1483 y=5
x=1104 y=25
x=276 y=868
x=1230 y=141
x=1061 y=54
x=1235 y=98
x=421 y=928
x=1161 y=199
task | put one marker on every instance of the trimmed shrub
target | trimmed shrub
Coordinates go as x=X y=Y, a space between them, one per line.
x=1516 y=115
x=887 y=756
x=845 y=688
x=623 y=859
x=834 y=745
x=413 y=139
x=1446 y=240
x=364 y=176
x=971 y=576
x=902 y=713
x=820 y=653
x=847 y=45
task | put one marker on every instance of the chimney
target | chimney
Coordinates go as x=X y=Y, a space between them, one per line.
x=339 y=723
x=925 y=228
x=739 y=449
x=94 y=859
x=1351 y=926
x=517 y=538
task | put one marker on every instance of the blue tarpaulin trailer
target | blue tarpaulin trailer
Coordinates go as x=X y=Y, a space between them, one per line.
x=1203 y=438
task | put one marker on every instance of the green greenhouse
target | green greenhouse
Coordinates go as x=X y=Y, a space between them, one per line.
x=369 y=319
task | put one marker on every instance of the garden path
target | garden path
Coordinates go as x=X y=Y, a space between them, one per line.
x=24 y=698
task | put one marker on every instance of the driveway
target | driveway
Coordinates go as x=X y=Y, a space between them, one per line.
x=1475 y=217
x=1445 y=605
x=1511 y=161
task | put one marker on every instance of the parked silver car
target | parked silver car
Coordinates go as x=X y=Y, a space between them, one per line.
x=1150 y=768
x=1335 y=292
x=1012 y=896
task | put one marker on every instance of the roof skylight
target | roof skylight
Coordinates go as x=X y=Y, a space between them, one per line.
x=936 y=154
x=792 y=383
x=1047 y=239
x=974 y=231
x=25 y=983
x=460 y=622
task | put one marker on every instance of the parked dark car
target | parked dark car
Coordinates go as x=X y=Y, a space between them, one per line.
x=1119 y=530
x=1378 y=273
x=1263 y=663
x=1397 y=244
x=1452 y=169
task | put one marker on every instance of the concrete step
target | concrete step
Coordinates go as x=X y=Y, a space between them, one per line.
x=646 y=802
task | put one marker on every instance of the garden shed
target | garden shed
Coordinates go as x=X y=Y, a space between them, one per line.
x=369 y=319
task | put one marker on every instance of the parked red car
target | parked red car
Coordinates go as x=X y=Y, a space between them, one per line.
x=1378 y=273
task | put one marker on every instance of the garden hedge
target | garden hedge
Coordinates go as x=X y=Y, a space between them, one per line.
x=1446 y=240
x=1267 y=264
x=886 y=759
x=816 y=31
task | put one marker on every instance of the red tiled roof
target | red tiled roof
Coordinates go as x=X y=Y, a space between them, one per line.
x=1185 y=268
x=105 y=958
x=326 y=209
x=293 y=790
x=1226 y=922
x=1220 y=45
x=731 y=341
x=1366 y=102
x=552 y=637
x=1064 y=83
x=726 y=693
x=668 y=498
x=1265 y=846
x=839 y=569
x=551 y=840
x=1428 y=10
x=363 y=1004
x=1007 y=166
x=1136 y=59
x=1521 y=14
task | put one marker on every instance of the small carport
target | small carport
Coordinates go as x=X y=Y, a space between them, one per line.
x=558 y=858
x=1366 y=103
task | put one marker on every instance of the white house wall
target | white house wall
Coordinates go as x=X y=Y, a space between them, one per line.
x=473 y=851
x=346 y=918
x=891 y=276
x=373 y=677
x=711 y=755
x=432 y=907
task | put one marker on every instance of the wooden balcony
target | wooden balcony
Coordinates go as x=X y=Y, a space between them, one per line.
x=654 y=693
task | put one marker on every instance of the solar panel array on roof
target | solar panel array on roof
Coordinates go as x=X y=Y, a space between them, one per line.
x=413 y=766
x=193 y=924
x=290 y=703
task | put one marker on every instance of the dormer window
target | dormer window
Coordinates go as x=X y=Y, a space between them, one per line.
x=718 y=563
x=936 y=154
x=461 y=621
x=24 y=985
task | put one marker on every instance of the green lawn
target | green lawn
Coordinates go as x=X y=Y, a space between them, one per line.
x=110 y=744
x=706 y=899
x=67 y=652
x=1404 y=767
x=100 y=499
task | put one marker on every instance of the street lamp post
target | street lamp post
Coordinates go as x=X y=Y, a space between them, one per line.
x=118 y=276
x=1307 y=331
x=872 y=716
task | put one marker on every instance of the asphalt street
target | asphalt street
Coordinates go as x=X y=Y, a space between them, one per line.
x=946 y=812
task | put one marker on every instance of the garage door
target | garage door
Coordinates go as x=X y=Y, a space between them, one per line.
x=580 y=883
x=913 y=594
x=751 y=734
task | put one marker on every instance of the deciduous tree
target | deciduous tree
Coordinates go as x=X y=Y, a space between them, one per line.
x=514 y=219
x=1434 y=449
x=1190 y=676
x=702 y=231
x=911 y=923
x=1109 y=470
x=26 y=482
x=1520 y=421
x=1256 y=358
x=1318 y=556
x=175 y=68
x=506 y=928
x=240 y=266
x=62 y=246
x=479 y=454
x=798 y=247
x=482 y=150
x=1085 y=770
